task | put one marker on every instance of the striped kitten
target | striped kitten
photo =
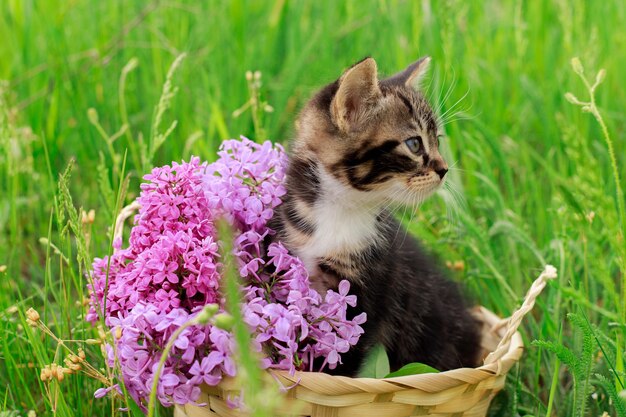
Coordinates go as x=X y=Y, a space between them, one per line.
x=361 y=145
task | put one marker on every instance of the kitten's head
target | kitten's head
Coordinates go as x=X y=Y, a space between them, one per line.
x=375 y=136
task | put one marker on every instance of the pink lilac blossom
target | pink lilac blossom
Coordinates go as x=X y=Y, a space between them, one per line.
x=171 y=269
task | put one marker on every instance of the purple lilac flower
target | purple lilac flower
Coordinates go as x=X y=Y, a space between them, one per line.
x=170 y=270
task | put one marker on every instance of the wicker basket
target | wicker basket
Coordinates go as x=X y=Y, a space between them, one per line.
x=461 y=392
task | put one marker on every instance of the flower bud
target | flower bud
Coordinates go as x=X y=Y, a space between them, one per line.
x=101 y=332
x=577 y=66
x=32 y=315
x=92 y=115
x=224 y=321
x=87 y=217
x=93 y=341
x=74 y=367
x=207 y=312
x=131 y=65
x=52 y=371
x=600 y=76
x=572 y=98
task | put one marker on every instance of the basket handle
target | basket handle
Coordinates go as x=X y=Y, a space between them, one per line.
x=512 y=323
x=125 y=213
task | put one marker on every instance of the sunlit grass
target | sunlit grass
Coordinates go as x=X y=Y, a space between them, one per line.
x=534 y=172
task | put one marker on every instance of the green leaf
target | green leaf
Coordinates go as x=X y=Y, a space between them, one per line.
x=376 y=364
x=414 y=368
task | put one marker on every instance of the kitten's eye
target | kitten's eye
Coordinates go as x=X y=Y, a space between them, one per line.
x=414 y=144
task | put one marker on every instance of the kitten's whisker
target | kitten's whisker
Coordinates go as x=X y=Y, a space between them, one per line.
x=453 y=164
x=461 y=112
x=456 y=119
x=457 y=169
x=451 y=88
x=450 y=199
x=458 y=101
x=448 y=93
x=458 y=195
x=413 y=213
x=402 y=218
x=460 y=115
x=392 y=200
x=388 y=203
x=439 y=101
x=430 y=83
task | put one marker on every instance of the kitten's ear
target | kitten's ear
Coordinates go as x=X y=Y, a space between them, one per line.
x=413 y=75
x=356 y=95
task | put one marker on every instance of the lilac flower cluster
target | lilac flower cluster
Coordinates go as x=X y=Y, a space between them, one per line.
x=171 y=269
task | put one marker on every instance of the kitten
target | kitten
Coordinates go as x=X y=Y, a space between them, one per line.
x=362 y=144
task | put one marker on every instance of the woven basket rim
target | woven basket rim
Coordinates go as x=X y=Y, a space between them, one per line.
x=316 y=381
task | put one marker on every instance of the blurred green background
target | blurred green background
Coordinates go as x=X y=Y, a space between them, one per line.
x=533 y=176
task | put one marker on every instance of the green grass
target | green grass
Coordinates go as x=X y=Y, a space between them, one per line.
x=530 y=166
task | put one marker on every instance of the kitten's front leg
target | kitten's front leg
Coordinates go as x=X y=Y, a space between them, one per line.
x=323 y=281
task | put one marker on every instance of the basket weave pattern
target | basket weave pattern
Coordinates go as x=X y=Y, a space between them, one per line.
x=465 y=392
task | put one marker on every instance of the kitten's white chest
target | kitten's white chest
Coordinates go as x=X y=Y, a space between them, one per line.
x=341 y=230
x=342 y=225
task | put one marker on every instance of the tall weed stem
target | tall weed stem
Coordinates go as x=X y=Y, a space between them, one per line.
x=591 y=107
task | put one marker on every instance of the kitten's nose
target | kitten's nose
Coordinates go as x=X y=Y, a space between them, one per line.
x=441 y=172
x=439 y=166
